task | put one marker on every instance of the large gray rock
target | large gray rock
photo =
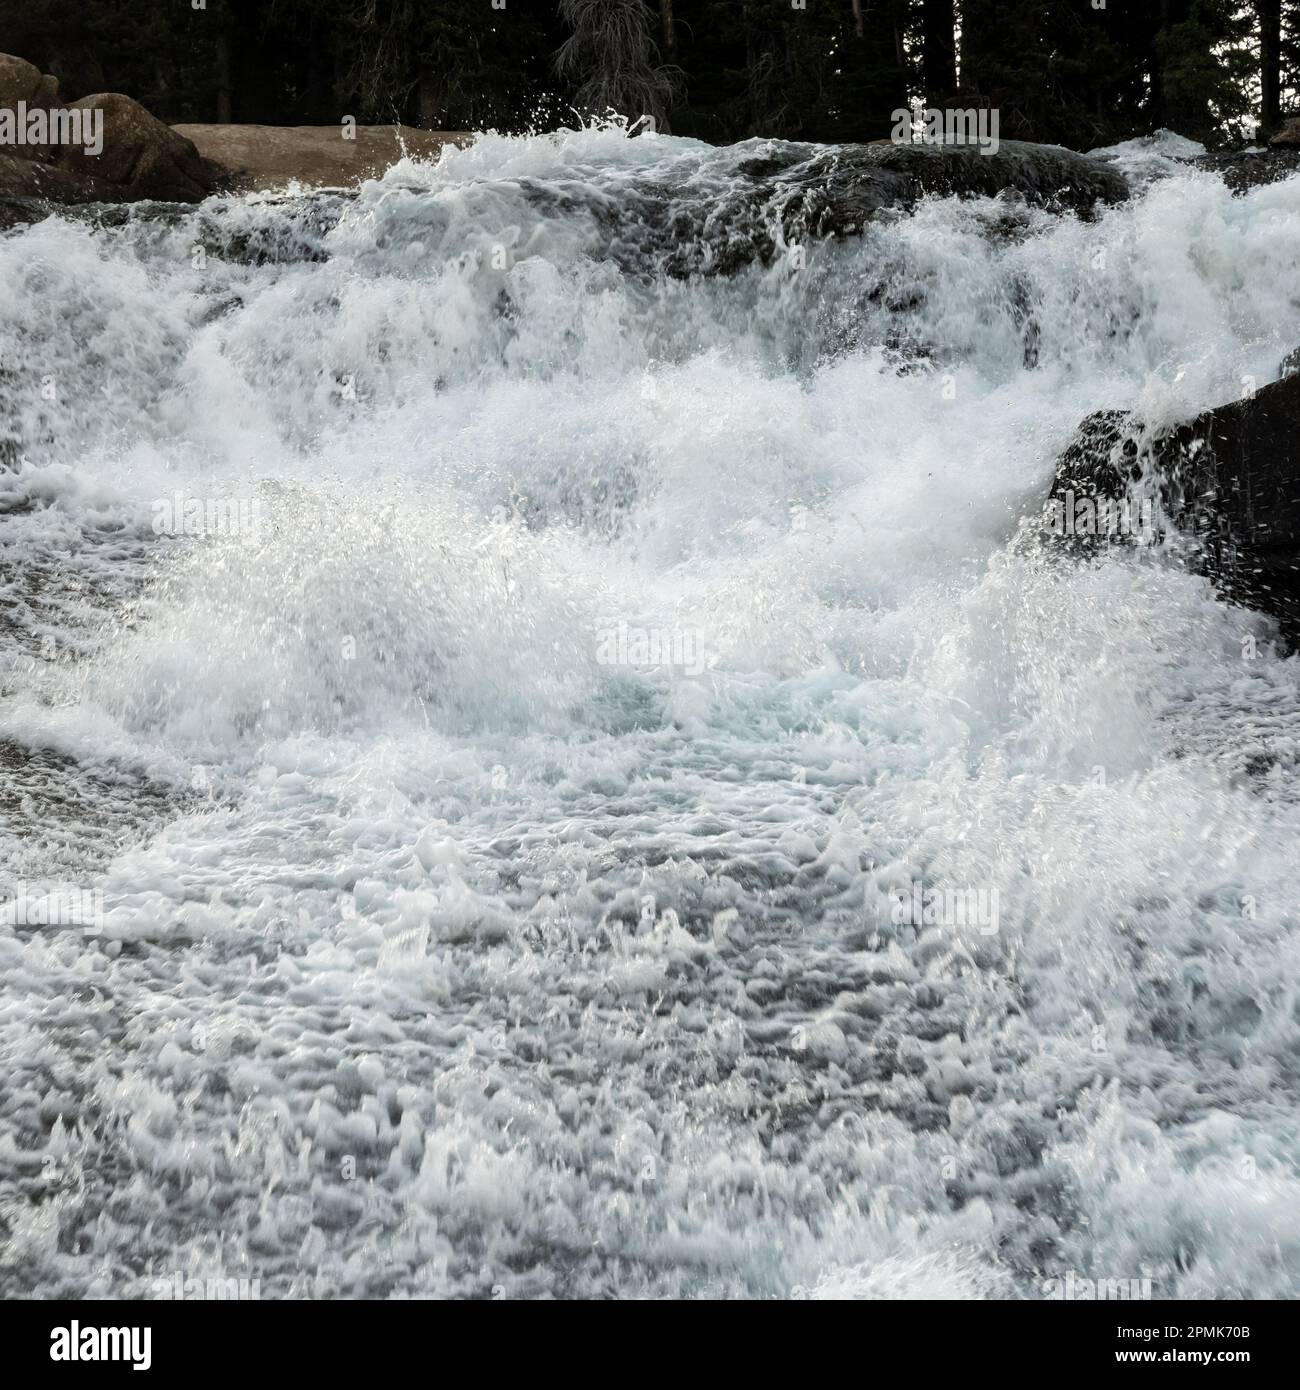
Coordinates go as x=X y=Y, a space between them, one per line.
x=22 y=83
x=141 y=155
x=1228 y=482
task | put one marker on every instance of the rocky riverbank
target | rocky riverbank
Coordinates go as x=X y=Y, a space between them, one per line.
x=822 y=190
x=48 y=153
x=136 y=157
x=264 y=157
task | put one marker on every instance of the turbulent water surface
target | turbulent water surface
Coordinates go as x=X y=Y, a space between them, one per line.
x=498 y=813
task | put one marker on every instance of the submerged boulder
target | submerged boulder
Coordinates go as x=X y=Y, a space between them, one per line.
x=855 y=180
x=1224 y=486
x=786 y=194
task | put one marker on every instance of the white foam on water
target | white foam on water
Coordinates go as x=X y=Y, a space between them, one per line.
x=1152 y=156
x=507 y=821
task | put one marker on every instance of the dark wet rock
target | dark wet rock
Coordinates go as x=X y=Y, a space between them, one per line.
x=18 y=211
x=1243 y=170
x=29 y=188
x=294 y=236
x=839 y=190
x=791 y=194
x=1225 y=486
x=1046 y=175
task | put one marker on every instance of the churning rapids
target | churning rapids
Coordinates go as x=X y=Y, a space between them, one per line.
x=451 y=947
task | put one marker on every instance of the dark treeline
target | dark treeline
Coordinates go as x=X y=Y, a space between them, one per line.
x=1076 y=72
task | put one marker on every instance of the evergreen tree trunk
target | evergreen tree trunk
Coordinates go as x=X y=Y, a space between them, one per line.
x=938 y=51
x=885 y=77
x=1171 y=12
x=1270 y=62
x=426 y=98
x=666 y=24
x=979 y=30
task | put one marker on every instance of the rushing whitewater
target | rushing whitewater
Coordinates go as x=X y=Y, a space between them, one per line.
x=499 y=694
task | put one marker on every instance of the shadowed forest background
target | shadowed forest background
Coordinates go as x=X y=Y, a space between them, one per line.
x=1074 y=72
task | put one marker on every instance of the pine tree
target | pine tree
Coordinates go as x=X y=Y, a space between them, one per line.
x=1202 y=68
x=612 y=62
x=1289 y=58
x=1064 y=71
